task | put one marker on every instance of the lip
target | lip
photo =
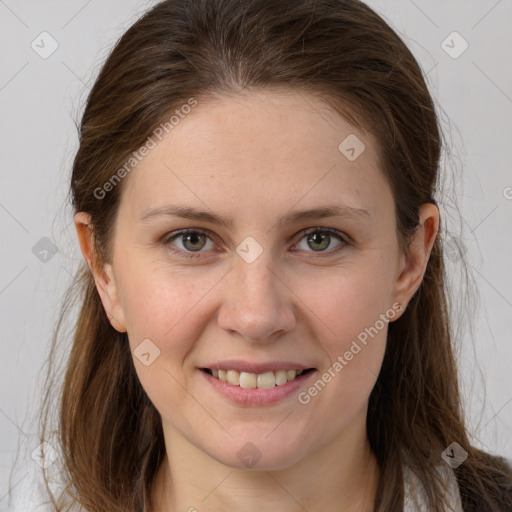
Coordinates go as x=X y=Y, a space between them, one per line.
x=258 y=397
x=250 y=367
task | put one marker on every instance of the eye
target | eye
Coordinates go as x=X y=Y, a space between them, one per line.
x=318 y=239
x=194 y=240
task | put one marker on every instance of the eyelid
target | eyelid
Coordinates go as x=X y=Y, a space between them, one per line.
x=169 y=237
x=345 y=238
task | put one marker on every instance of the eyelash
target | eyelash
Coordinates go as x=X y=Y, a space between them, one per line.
x=197 y=254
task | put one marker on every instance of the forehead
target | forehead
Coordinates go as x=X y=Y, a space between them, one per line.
x=260 y=148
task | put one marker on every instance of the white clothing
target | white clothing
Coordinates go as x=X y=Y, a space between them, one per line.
x=30 y=494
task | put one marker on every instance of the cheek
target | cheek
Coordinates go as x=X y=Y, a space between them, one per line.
x=347 y=301
x=159 y=304
x=169 y=309
x=353 y=314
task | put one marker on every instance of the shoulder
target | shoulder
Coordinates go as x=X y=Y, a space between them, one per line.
x=465 y=492
x=35 y=481
x=493 y=482
x=414 y=491
x=28 y=491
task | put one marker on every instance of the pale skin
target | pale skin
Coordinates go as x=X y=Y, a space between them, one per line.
x=255 y=158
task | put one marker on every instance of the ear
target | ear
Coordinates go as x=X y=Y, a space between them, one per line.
x=415 y=257
x=102 y=272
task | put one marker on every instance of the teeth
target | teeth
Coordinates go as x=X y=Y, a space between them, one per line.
x=247 y=380
x=281 y=377
x=233 y=377
x=265 y=380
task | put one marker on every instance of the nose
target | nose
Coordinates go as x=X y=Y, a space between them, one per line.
x=257 y=302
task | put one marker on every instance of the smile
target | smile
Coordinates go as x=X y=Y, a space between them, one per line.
x=251 y=389
x=266 y=380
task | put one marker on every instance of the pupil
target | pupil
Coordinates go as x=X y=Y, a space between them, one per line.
x=316 y=241
x=193 y=238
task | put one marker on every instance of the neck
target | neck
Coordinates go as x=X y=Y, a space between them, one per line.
x=342 y=475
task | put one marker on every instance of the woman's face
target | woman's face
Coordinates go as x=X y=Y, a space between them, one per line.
x=247 y=290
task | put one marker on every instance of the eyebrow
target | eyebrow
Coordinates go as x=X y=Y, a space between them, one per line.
x=294 y=217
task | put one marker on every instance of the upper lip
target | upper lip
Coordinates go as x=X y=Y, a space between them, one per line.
x=253 y=367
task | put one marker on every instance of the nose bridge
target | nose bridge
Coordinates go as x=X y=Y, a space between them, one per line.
x=257 y=281
x=253 y=267
x=256 y=304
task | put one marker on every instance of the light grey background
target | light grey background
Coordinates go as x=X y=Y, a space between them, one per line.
x=41 y=97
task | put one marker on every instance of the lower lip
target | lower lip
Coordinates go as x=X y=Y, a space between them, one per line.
x=256 y=396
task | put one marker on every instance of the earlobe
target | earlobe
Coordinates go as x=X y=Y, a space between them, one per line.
x=415 y=258
x=102 y=272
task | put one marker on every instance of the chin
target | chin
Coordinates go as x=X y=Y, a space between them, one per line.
x=259 y=455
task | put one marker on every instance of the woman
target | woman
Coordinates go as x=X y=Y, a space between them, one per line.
x=263 y=319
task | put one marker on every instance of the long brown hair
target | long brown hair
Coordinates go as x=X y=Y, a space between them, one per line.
x=109 y=431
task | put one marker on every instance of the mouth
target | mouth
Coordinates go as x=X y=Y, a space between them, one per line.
x=248 y=380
